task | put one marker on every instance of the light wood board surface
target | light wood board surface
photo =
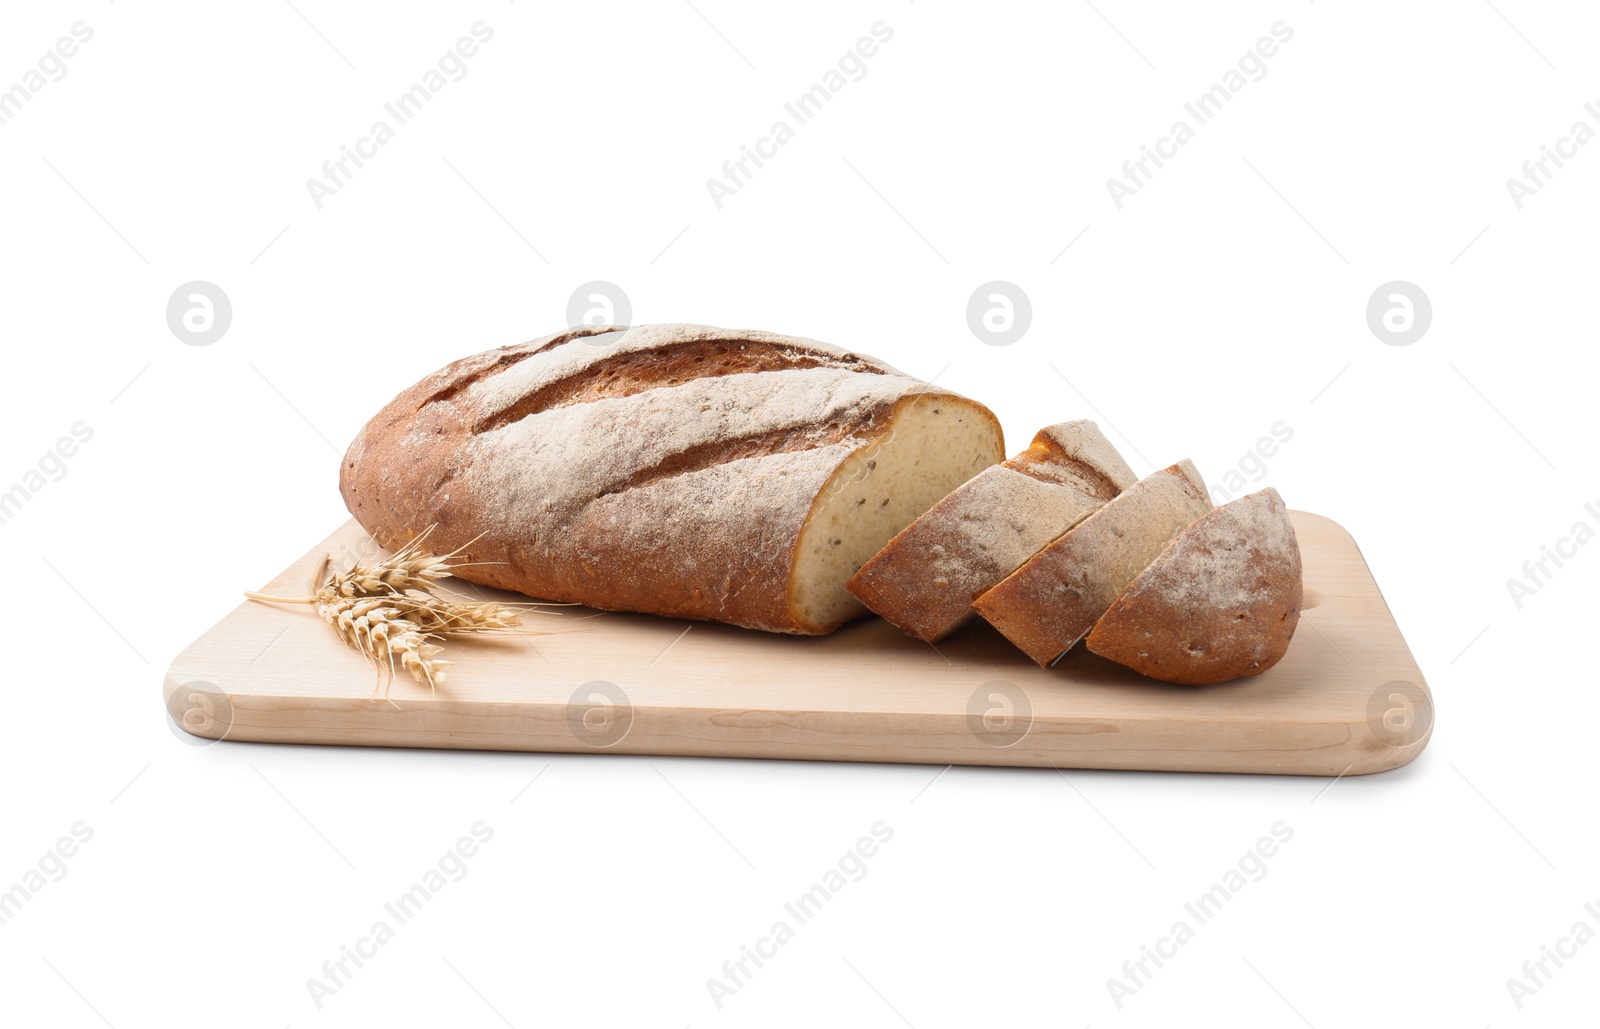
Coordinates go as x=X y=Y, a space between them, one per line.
x=1347 y=699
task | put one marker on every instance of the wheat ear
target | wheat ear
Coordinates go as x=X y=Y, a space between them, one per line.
x=387 y=612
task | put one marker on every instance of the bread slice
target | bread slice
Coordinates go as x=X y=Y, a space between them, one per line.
x=1220 y=602
x=1050 y=603
x=678 y=470
x=925 y=579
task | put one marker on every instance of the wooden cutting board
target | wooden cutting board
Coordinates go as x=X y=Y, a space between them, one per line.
x=1347 y=699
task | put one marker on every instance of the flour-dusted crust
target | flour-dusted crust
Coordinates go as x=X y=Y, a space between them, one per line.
x=1050 y=603
x=1220 y=602
x=679 y=470
x=925 y=579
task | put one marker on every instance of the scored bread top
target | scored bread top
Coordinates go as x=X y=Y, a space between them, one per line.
x=1076 y=454
x=925 y=579
x=662 y=468
x=1050 y=603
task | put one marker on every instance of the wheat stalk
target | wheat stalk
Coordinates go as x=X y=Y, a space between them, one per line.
x=387 y=612
x=438 y=615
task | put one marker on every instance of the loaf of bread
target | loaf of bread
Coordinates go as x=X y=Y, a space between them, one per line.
x=677 y=470
x=925 y=579
x=1220 y=602
x=1050 y=603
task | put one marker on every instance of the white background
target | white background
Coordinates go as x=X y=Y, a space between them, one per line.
x=1226 y=296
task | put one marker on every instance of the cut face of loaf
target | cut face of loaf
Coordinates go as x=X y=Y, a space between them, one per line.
x=1050 y=603
x=925 y=579
x=1222 y=601
x=678 y=470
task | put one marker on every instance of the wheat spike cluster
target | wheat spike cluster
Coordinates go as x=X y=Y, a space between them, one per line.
x=393 y=614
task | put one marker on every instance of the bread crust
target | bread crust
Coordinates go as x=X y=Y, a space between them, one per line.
x=1220 y=602
x=925 y=579
x=667 y=469
x=1049 y=604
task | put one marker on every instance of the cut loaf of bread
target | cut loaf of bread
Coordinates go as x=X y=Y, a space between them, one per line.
x=1220 y=602
x=1050 y=603
x=678 y=470
x=925 y=579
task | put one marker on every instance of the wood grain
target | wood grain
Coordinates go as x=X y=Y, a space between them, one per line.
x=1347 y=699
